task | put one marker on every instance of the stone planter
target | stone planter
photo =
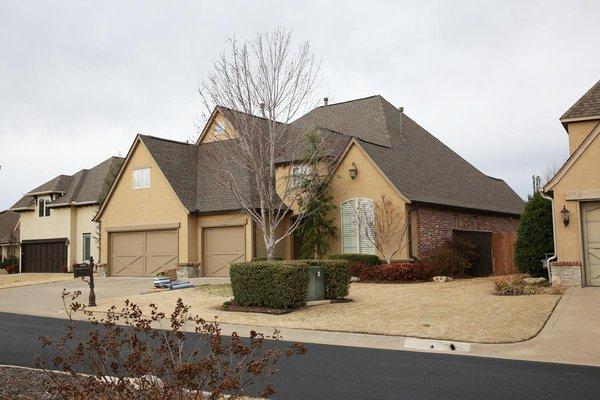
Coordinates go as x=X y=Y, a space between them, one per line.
x=102 y=270
x=188 y=270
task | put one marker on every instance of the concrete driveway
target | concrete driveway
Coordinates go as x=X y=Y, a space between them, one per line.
x=45 y=299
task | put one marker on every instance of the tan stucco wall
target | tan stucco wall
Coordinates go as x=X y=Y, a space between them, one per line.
x=155 y=205
x=370 y=183
x=578 y=131
x=583 y=176
x=84 y=224
x=64 y=222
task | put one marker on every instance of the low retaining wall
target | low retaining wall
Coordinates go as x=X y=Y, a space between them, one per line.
x=566 y=273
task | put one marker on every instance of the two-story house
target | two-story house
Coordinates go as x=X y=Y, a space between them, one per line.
x=57 y=227
x=575 y=191
x=166 y=207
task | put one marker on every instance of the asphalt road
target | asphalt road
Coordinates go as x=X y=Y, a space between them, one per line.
x=337 y=372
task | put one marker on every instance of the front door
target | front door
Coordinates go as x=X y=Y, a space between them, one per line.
x=591 y=242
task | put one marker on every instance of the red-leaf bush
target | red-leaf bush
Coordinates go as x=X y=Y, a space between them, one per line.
x=393 y=272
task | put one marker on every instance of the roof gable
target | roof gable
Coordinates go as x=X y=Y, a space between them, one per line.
x=591 y=137
x=587 y=106
x=420 y=166
x=81 y=188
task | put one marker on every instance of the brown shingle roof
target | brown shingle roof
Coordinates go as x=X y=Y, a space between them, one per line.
x=587 y=106
x=9 y=231
x=418 y=164
x=179 y=162
x=84 y=186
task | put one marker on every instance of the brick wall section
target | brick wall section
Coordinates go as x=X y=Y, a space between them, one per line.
x=435 y=225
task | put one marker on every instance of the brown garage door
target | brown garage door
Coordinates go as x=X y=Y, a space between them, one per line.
x=44 y=255
x=223 y=246
x=143 y=253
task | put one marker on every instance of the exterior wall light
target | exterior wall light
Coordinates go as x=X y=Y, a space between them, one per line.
x=565 y=215
x=353 y=171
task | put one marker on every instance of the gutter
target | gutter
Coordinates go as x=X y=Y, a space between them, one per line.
x=553 y=257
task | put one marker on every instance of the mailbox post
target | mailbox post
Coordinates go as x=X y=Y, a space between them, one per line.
x=87 y=270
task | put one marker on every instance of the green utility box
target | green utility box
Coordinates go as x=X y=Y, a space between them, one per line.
x=316 y=283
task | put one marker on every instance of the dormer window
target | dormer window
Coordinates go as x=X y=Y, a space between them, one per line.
x=218 y=129
x=43 y=209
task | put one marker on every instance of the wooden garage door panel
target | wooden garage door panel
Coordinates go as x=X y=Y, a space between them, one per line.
x=44 y=256
x=143 y=253
x=161 y=251
x=127 y=257
x=592 y=243
x=223 y=246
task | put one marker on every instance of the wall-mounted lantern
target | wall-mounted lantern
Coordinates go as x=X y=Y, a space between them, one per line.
x=565 y=215
x=353 y=171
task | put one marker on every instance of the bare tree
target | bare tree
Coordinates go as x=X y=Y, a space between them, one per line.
x=549 y=173
x=260 y=86
x=384 y=226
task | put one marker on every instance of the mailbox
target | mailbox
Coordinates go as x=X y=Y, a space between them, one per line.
x=87 y=270
x=82 y=270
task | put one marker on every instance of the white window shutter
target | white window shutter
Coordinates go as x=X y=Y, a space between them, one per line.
x=350 y=227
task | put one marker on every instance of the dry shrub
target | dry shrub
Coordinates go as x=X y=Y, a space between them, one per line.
x=514 y=285
x=454 y=258
x=125 y=357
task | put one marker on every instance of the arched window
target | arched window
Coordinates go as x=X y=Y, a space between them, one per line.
x=357 y=214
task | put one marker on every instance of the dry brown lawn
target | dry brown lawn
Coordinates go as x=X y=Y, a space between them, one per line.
x=26 y=279
x=462 y=310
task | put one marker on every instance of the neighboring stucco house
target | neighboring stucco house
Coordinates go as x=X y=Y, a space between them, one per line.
x=166 y=206
x=575 y=191
x=57 y=227
x=9 y=234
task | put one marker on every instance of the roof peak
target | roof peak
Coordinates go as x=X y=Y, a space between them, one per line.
x=586 y=106
x=352 y=100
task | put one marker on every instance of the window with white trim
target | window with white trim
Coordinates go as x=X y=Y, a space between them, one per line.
x=298 y=175
x=43 y=209
x=141 y=178
x=87 y=246
x=356 y=214
x=218 y=128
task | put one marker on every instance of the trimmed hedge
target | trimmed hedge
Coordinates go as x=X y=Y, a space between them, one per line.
x=337 y=277
x=271 y=284
x=366 y=259
x=394 y=272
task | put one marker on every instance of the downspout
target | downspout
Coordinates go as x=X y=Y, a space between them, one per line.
x=552 y=258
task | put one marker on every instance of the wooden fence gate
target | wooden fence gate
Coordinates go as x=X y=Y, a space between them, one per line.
x=503 y=251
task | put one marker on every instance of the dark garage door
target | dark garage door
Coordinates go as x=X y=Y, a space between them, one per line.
x=482 y=263
x=44 y=255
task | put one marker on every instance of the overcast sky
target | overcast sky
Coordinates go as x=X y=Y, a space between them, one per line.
x=78 y=80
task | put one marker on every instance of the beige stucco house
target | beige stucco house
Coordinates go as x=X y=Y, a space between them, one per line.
x=56 y=219
x=575 y=191
x=166 y=207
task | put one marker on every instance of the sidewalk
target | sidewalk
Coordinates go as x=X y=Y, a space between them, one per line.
x=571 y=335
